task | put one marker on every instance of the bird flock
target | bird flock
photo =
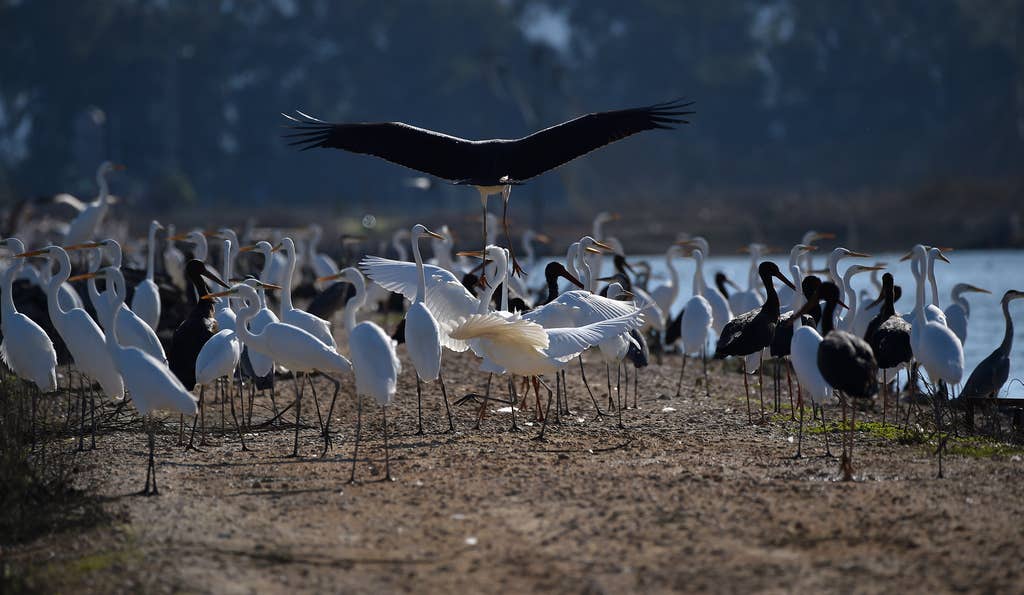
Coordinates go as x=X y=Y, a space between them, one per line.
x=152 y=331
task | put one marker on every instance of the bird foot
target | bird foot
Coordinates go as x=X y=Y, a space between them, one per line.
x=517 y=270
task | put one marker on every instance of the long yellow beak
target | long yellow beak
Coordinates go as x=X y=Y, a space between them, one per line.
x=592 y=250
x=329 y=278
x=824 y=235
x=82 y=246
x=472 y=253
x=83 y=277
x=542 y=238
x=177 y=237
x=32 y=253
x=436 y=236
x=604 y=246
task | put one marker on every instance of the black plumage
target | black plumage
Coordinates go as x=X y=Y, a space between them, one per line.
x=196 y=329
x=845 y=360
x=888 y=333
x=991 y=374
x=783 y=337
x=752 y=331
x=485 y=163
x=331 y=300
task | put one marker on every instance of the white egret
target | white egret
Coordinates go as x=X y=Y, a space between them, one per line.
x=696 y=323
x=146 y=299
x=174 y=261
x=86 y=224
x=959 y=312
x=751 y=298
x=26 y=349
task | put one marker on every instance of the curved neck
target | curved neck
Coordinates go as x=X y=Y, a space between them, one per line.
x=771 y=302
x=286 y=283
x=245 y=314
x=851 y=301
x=720 y=284
x=833 y=274
x=552 y=281
x=421 y=275
x=888 y=301
x=752 y=272
x=151 y=254
x=528 y=251
x=225 y=272
x=355 y=303
x=403 y=254
x=63 y=272
x=1008 y=333
x=799 y=301
x=501 y=271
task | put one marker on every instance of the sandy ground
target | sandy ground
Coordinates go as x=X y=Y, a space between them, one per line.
x=688 y=497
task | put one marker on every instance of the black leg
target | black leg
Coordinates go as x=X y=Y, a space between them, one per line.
x=330 y=414
x=746 y=390
x=583 y=375
x=298 y=421
x=419 y=404
x=682 y=370
x=512 y=399
x=547 y=413
x=447 y=407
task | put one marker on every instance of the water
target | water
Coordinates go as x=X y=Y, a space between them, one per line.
x=995 y=270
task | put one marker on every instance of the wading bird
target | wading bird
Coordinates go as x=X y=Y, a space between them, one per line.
x=491 y=166
x=989 y=377
x=959 y=312
x=26 y=349
x=146 y=299
x=86 y=224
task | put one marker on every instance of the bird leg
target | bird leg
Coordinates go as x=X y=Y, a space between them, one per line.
x=483 y=204
x=536 y=395
x=241 y=401
x=444 y=395
x=760 y=381
x=483 y=403
x=746 y=390
x=359 y=428
x=800 y=433
x=419 y=405
x=636 y=383
x=608 y=376
x=547 y=413
x=853 y=435
x=583 y=375
x=298 y=419
x=824 y=430
x=151 y=469
x=885 y=396
x=330 y=413
x=789 y=383
x=558 y=398
x=81 y=417
x=618 y=397
x=220 y=389
x=195 y=420
x=516 y=269
x=512 y=398
x=682 y=370
x=387 y=456
x=777 y=385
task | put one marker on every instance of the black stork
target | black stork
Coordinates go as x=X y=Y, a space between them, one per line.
x=989 y=377
x=752 y=331
x=888 y=334
x=195 y=330
x=848 y=365
x=492 y=166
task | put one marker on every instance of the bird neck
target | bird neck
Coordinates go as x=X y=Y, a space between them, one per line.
x=915 y=268
x=421 y=275
x=286 y=283
x=698 y=273
x=720 y=284
x=931 y=281
x=7 y=299
x=354 y=304
x=752 y=272
x=771 y=302
x=851 y=301
x=1008 y=334
x=828 y=318
x=244 y=315
x=101 y=181
x=672 y=272
x=53 y=287
x=552 y=281
x=888 y=301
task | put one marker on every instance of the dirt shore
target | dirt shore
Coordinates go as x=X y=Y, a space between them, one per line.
x=688 y=497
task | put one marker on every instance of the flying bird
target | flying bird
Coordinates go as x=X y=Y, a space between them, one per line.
x=493 y=166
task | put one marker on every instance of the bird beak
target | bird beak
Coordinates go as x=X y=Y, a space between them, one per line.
x=32 y=253
x=436 y=236
x=210 y=233
x=213 y=277
x=269 y=286
x=684 y=242
x=823 y=235
x=604 y=246
x=247 y=248
x=592 y=250
x=977 y=289
x=543 y=239
x=858 y=255
x=840 y=303
x=783 y=278
x=570 y=278
x=328 y=278
x=876 y=267
x=805 y=248
x=177 y=237
x=744 y=250
x=942 y=257
x=471 y=253
x=277 y=248
x=732 y=284
x=626 y=294
x=211 y=296
x=83 y=277
x=82 y=246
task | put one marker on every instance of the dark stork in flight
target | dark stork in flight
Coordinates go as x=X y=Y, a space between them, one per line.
x=493 y=166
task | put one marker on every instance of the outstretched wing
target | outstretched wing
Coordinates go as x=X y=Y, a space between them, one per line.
x=533 y=155
x=447 y=157
x=447 y=299
x=566 y=343
x=500 y=329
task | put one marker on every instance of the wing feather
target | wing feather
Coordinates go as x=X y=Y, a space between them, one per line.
x=566 y=343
